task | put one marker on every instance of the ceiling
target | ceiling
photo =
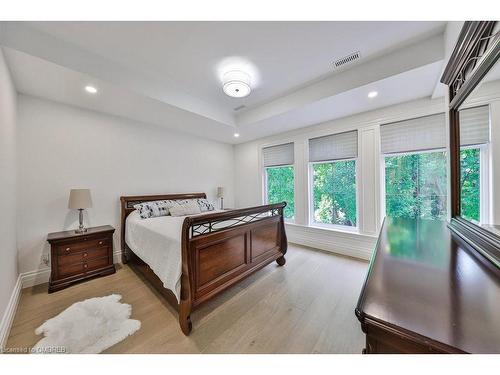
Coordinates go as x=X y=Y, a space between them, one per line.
x=168 y=73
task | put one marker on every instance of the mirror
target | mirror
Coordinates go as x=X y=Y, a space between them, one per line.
x=479 y=124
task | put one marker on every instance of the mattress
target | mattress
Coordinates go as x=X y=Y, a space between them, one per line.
x=157 y=241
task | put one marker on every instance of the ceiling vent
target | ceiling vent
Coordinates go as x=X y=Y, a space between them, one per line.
x=346 y=60
x=239 y=107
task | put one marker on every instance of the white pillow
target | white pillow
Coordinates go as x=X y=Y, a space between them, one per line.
x=184 y=209
x=153 y=209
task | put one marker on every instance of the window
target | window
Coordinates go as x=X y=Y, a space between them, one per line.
x=415 y=168
x=279 y=177
x=415 y=185
x=474 y=140
x=333 y=179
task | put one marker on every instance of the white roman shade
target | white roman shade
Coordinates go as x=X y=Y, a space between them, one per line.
x=278 y=155
x=334 y=147
x=422 y=133
x=474 y=126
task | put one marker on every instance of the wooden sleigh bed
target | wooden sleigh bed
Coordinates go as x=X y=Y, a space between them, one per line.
x=218 y=250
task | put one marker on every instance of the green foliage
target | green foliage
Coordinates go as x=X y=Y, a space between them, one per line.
x=415 y=185
x=334 y=188
x=280 y=188
x=470 y=183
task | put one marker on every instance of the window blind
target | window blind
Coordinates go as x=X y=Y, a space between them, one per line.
x=423 y=133
x=474 y=126
x=334 y=147
x=278 y=155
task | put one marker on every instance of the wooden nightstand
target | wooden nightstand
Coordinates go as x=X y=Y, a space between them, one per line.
x=79 y=256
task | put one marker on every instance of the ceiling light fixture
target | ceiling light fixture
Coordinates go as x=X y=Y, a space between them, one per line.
x=236 y=135
x=236 y=84
x=91 y=89
x=372 y=94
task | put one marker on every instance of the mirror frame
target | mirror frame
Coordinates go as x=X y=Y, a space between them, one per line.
x=475 y=53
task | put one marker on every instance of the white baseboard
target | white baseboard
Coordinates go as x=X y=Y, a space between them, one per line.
x=10 y=312
x=350 y=244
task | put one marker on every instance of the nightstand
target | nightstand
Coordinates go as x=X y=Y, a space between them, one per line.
x=80 y=256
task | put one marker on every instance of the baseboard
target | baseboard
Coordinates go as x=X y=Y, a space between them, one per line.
x=350 y=244
x=35 y=277
x=10 y=312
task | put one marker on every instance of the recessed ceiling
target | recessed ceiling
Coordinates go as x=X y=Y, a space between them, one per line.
x=178 y=64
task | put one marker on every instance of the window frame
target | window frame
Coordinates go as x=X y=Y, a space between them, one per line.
x=310 y=193
x=265 y=197
x=383 y=206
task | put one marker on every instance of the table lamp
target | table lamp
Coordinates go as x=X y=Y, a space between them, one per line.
x=79 y=199
x=220 y=194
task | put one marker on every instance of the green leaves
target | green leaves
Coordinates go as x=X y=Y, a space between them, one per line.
x=470 y=191
x=280 y=188
x=415 y=185
x=334 y=188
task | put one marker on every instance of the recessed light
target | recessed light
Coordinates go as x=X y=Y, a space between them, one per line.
x=91 y=89
x=372 y=94
x=236 y=135
x=236 y=84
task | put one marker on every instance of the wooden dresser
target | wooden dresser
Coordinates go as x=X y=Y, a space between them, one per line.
x=76 y=257
x=427 y=292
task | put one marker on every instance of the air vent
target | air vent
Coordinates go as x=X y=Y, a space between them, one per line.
x=239 y=107
x=349 y=59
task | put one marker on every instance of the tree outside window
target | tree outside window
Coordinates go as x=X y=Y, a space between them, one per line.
x=415 y=185
x=280 y=188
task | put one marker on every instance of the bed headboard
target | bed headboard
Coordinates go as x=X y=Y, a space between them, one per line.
x=128 y=202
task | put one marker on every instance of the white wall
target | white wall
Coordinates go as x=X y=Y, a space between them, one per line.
x=8 y=251
x=62 y=147
x=249 y=184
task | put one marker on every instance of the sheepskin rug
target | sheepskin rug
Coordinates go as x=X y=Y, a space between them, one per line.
x=89 y=326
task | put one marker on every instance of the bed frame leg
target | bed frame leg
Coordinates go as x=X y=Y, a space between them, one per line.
x=281 y=260
x=185 y=318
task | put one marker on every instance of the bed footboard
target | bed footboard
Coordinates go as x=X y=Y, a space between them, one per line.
x=222 y=248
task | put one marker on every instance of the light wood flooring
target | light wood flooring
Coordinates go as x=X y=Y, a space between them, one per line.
x=307 y=306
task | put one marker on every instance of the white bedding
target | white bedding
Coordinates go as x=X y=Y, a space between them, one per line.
x=157 y=241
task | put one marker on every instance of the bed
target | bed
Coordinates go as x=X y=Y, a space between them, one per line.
x=191 y=259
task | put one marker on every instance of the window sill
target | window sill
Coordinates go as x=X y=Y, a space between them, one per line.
x=336 y=230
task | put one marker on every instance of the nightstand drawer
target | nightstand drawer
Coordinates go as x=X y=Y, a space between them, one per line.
x=83 y=255
x=86 y=266
x=73 y=247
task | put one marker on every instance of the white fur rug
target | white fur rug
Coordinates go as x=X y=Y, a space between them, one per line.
x=89 y=326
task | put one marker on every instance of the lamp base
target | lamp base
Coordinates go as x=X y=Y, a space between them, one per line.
x=81 y=228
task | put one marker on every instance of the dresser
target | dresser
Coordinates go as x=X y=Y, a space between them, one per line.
x=79 y=256
x=427 y=291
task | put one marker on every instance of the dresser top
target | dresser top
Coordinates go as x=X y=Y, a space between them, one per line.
x=67 y=234
x=425 y=280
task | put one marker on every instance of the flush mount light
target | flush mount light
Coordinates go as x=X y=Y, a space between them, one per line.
x=91 y=89
x=236 y=84
x=372 y=94
x=236 y=135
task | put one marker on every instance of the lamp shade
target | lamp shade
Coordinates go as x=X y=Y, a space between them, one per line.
x=220 y=192
x=79 y=198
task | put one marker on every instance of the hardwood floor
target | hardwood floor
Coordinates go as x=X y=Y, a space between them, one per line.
x=307 y=306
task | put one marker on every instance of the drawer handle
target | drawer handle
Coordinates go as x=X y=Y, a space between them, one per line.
x=68 y=249
x=85 y=265
x=85 y=255
x=101 y=242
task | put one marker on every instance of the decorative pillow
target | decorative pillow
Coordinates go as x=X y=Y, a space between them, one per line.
x=183 y=209
x=205 y=205
x=153 y=209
